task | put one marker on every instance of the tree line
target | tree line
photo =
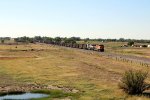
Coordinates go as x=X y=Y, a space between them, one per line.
x=47 y=39
x=40 y=39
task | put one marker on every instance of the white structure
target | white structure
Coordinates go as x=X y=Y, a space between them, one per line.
x=148 y=46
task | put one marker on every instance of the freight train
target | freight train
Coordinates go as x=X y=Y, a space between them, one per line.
x=94 y=47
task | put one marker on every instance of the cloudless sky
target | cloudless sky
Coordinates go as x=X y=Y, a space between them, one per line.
x=81 y=18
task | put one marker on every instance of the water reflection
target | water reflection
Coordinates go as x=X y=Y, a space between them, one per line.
x=24 y=96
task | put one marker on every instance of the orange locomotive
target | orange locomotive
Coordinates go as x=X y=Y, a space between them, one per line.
x=99 y=48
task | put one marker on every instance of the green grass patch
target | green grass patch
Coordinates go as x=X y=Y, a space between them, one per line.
x=56 y=94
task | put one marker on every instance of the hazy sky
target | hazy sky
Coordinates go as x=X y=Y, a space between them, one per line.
x=82 y=18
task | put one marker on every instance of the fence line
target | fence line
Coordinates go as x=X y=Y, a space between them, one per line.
x=132 y=62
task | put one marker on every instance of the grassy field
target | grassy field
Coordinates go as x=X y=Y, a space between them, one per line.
x=96 y=77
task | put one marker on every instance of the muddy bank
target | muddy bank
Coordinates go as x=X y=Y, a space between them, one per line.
x=15 y=57
x=31 y=87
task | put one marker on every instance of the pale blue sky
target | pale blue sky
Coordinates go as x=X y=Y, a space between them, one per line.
x=82 y=18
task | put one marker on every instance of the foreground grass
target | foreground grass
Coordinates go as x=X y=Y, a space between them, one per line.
x=95 y=76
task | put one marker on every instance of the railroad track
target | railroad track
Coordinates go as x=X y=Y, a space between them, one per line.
x=127 y=58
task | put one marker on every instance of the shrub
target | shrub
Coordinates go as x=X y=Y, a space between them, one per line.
x=133 y=82
x=130 y=43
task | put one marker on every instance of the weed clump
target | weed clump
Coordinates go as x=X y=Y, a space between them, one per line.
x=133 y=82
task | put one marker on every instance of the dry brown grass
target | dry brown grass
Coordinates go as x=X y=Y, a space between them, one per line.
x=97 y=76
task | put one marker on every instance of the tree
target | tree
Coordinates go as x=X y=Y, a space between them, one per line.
x=23 y=39
x=47 y=39
x=57 y=40
x=122 y=40
x=2 y=41
x=86 y=39
x=38 y=39
x=70 y=40
x=130 y=43
x=76 y=38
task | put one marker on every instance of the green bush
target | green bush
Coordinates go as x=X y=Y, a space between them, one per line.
x=133 y=82
x=130 y=43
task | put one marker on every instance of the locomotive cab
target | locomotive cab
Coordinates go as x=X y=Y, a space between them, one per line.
x=99 y=48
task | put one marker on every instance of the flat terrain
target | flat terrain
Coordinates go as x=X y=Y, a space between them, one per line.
x=96 y=76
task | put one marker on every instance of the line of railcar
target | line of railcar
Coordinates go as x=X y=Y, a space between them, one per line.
x=94 y=47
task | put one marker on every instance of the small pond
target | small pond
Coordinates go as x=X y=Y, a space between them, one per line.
x=24 y=96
